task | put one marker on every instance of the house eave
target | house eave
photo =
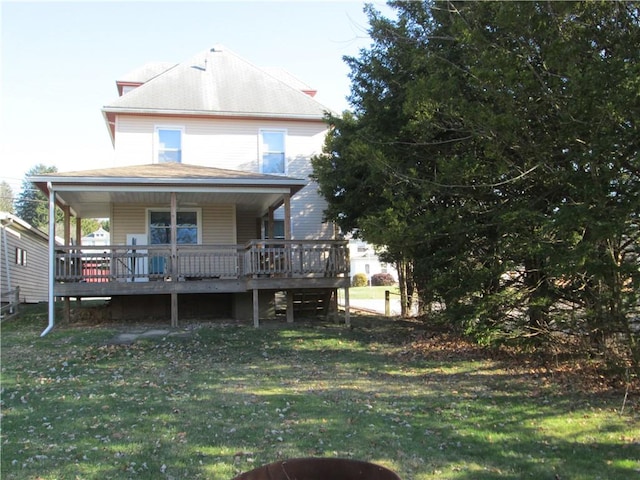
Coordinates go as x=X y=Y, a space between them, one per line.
x=168 y=185
x=109 y=111
x=7 y=219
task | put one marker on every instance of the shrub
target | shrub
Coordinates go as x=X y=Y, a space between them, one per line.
x=359 y=280
x=382 y=280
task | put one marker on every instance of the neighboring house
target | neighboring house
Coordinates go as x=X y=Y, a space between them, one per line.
x=363 y=259
x=23 y=259
x=211 y=208
x=97 y=238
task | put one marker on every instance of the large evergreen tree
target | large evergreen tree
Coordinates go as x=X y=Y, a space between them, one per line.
x=6 y=197
x=495 y=144
x=31 y=205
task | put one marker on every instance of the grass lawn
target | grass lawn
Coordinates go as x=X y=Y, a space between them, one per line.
x=213 y=400
x=370 y=293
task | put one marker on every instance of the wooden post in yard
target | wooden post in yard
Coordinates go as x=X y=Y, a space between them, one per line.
x=387 y=304
x=347 y=316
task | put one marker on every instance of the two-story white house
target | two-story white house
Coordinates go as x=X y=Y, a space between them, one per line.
x=210 y=203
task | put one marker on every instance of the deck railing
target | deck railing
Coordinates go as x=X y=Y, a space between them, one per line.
x=257 y=258
x=296 y=258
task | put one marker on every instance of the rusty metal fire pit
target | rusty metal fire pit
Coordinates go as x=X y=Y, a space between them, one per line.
x=319 y=469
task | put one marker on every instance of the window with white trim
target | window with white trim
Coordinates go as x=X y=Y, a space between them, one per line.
x=169 y=144
x=21 y=256
x=272 y=151
x=187 y=223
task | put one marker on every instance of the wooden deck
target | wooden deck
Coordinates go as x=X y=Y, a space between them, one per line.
x=157 y=269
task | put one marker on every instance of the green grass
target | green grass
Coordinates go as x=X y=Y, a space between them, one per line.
x=370 y=293
x=228 y=398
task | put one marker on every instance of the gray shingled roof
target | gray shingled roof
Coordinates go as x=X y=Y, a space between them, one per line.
x=218 y=82
x=180 y=173
x=146 y=72
x=151 y=184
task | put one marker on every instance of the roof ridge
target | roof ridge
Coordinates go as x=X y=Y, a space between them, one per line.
x=229 y=84
x=269 y=74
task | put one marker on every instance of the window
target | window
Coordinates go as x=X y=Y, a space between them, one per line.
x=169 y=145
x=278 y=229
x=272 y=152
x=21 y=256
x=160 y=227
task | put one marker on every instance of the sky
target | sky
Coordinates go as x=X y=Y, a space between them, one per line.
x=59 y=62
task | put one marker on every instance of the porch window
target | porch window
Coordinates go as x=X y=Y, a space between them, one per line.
x=278 y=229
x=169 y=145
x=160 y=227
x=272 y=151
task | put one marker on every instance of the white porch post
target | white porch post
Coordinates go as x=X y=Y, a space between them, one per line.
x=52 y=258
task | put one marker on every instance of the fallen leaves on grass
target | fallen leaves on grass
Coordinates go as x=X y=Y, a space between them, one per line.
x=567 y=371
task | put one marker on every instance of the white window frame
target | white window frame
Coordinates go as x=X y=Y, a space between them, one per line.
x=186 y=209
x=21 y=256
x=156 y=141
x=262 y=151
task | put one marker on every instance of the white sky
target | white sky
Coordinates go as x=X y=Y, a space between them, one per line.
x=60 y=61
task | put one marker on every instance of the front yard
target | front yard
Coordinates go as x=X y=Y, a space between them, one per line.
x=213 y=400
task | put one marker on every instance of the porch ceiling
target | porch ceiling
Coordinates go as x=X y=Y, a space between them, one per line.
x=91 y=193
x=97 y=204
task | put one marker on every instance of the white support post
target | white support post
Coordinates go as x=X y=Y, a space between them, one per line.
x=52 y=258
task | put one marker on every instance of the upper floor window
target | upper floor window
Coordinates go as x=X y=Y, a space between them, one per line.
x=272 y=151
x=169 y=145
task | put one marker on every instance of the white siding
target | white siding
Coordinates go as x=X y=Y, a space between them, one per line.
x=307 y=211
x=219 y=224
x=127 y=219
x=233 y=144
x=32 y=278
x=222 y=143
x=247 y=228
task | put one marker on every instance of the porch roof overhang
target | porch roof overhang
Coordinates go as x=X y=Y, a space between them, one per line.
x=90 y=193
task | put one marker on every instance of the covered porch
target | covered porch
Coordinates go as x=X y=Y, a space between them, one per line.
x=187 y=262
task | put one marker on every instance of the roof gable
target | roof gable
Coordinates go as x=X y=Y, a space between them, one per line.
x=218 y=82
